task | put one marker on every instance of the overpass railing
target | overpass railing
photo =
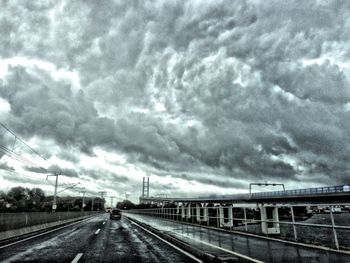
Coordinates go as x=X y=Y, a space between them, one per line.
x=307 y=191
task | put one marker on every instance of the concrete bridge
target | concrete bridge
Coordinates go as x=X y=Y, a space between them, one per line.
x=320 y=195
x=220 y=208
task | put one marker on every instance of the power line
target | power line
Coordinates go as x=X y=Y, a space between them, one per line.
x=63 y=185
x=18 y=157
x=18 y=138
x=69 y=187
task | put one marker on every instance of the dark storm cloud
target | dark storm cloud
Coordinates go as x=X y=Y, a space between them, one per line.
x=244 y=90
x=104 y=175
x=68 y=156
x=64 y=171
x=22 y=180
x=50 y=109
x=54 y=169
x=35 y=170
x=5 y=166
x=215 y=181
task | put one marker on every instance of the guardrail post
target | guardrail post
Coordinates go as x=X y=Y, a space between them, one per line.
x=245 y=219
x=217 y=217
x=333 y=227
x=162 y=212
x=293 y=221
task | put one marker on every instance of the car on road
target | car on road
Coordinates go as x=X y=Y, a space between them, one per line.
x=115 y=214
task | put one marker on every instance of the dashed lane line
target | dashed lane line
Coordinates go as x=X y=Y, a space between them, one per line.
x=77 y=257
x=97 y=231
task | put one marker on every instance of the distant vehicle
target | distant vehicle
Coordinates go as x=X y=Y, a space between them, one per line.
x=335 y=209
x=115 y=214
x=108 y=209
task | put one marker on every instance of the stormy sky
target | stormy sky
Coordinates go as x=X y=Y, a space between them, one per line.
x=202 y=96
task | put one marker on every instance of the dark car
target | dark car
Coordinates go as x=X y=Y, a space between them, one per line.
x=115 y=214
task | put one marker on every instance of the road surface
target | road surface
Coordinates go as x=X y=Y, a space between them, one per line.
x=97 y=239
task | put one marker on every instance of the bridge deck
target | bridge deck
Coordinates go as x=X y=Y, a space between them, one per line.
x=330 y=194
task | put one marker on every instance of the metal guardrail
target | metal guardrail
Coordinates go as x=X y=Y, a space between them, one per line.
x=11 y=221
x=330 y=232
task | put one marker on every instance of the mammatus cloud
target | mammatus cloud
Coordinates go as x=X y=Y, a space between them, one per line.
x=219 y=92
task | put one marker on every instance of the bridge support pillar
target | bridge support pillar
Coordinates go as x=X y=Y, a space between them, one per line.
x=188 y=212
x=177 y=208
x=183 y=212
x=265 y=226
x=204 y=216
x=198 y=212
x=226 y=221
x=205 y=213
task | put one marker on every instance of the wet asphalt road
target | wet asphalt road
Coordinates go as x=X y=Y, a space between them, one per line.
x=98 y=239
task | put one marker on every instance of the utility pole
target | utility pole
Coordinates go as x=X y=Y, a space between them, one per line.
x=83 y=204
x=102 y=194
x=54 y=203
x=112 y=197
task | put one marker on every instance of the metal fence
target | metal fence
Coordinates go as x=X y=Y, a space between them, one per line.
x=330 y=229
x=11 y=221
x=307 y=191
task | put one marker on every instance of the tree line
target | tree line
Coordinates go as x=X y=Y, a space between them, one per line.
x=21 y=199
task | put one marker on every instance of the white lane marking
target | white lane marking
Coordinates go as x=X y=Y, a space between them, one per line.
x=77 y=257
x=47 y=232
x=97 y=231
x=103 y=223
x=167 y=242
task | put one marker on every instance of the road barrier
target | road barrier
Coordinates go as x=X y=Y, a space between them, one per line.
x=10 y=221
x=16 y=224
x=330 y=228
